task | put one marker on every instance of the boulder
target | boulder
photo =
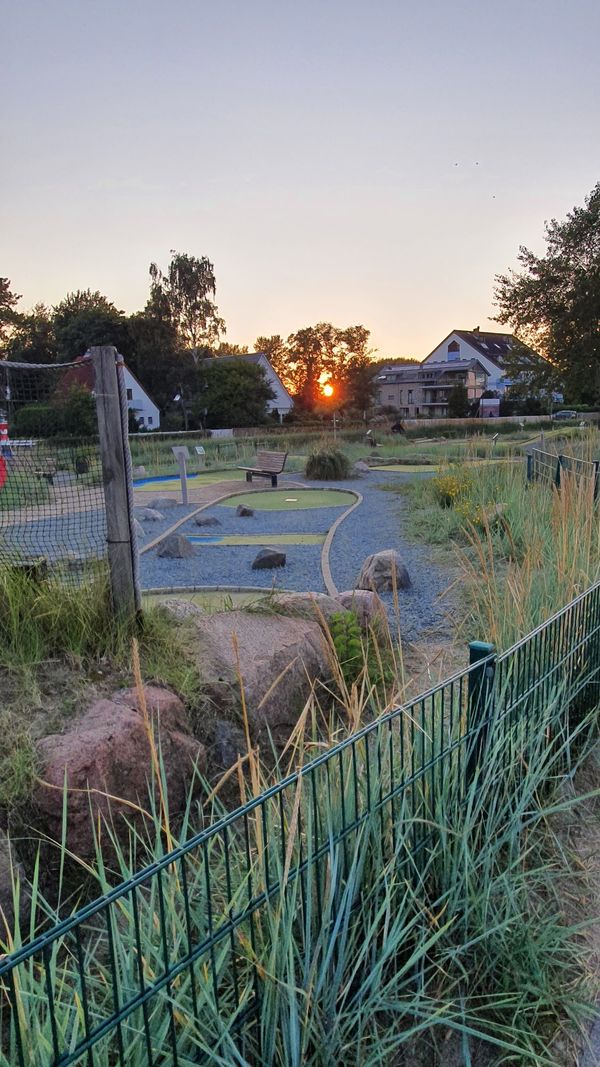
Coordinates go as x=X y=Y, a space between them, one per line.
x=378 y=570
x=175 y=546
x=361 y=467
x=149 y=515
x=268 y=558
x=11 y=873
x=139 y=472
x=106 y=755
x=244 y=511
x=206 y=520
x=161 y=503
x=279 y=657
x=368 y=607
x=306 y=605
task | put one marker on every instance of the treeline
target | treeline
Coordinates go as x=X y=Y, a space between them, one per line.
x=172 y=343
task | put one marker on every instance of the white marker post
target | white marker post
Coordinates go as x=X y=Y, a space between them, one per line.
x=182 y=455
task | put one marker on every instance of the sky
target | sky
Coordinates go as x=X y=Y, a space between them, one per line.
x=375 y=162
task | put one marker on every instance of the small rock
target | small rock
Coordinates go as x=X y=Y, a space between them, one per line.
x=377 y=572
x=182 y=609
x=268 y=558
x=206 y=520
x=160 y=503
x=139 y=472
x=175 y=546
x=366 y=604
x=244 y=511
x=149 y=515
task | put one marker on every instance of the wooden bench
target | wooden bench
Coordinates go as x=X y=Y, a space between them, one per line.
x=268 y=465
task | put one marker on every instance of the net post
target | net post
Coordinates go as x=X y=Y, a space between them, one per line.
x=116 y=477
x=481 y=680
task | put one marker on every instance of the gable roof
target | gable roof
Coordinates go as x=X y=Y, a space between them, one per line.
x=83 y=376
x=491 y=344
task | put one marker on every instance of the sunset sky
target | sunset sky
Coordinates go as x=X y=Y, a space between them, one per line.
x=374 y=162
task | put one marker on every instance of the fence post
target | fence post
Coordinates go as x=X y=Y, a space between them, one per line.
x=529 y=467
x=596 y=470
x=116 y=476
x=557 y=475
x=481 y=681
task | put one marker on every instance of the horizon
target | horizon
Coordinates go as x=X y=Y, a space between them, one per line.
x=334 y=164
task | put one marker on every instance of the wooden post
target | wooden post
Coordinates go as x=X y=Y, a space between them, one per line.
x=116 y=467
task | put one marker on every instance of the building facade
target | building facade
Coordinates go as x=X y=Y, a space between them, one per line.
x=423 y=390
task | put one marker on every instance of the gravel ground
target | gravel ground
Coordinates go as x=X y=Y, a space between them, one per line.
x=81 y=534
x=376 y=525
x=150 y=530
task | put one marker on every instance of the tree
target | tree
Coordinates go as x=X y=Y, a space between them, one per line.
x=187 y=290
x=458 y=401
x=155 y=357
x=233 y=393
x=321 y=353
x=33 y=339
x=72 y=414
x=86 y=318
x=8 y=316
x=554 y=301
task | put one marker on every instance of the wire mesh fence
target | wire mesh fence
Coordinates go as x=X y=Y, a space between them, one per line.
x=551 y=469
x=173 y=965
x=52 y=509
x=66 y=491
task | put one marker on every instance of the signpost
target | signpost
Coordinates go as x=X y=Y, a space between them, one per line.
x=182 y=454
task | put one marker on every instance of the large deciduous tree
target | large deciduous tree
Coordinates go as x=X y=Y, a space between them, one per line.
x=323 y=353
x=187 y=290
x=554 y=301
x=33 y=339
x=232 y=393
x=86 y=318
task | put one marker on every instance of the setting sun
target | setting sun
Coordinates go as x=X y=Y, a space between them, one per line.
x=327 y=390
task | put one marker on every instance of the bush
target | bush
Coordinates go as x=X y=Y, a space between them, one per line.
x=327 y=465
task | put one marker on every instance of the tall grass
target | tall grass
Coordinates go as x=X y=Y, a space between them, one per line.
x=337 y=928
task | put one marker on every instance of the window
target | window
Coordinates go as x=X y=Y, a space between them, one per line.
x=130 y=394
x=409 y=397
x=150 y=420
x=454 y=350
x=391 y=396
x=141 y=420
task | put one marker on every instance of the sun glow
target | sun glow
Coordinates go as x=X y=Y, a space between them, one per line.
x=327 y=389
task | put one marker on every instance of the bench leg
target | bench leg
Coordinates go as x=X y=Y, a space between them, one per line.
x=248 y=476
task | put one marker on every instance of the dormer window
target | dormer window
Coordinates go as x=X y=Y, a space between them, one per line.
x=453 y=350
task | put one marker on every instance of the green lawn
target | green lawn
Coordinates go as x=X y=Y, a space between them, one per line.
x=292 y=499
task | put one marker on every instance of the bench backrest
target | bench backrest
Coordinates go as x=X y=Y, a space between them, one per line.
x=274 y=462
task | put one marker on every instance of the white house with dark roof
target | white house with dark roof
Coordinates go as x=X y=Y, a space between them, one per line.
x=282 y=402
x=489 y=348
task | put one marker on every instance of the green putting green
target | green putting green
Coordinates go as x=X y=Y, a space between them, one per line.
x=259 y=539
x=292 y=499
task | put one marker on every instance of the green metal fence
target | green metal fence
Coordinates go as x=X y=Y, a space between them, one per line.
x=551 y=468
x=158 y=969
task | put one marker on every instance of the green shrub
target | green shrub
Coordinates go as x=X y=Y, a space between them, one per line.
x=346 y=637
x=327 y=465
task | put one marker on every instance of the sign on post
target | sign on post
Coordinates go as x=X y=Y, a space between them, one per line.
x=182 y=454
x=201 y=455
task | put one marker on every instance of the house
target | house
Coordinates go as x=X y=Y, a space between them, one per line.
x=282 y=402
x=489 y=348
x=423 y=389
x=139 y=403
